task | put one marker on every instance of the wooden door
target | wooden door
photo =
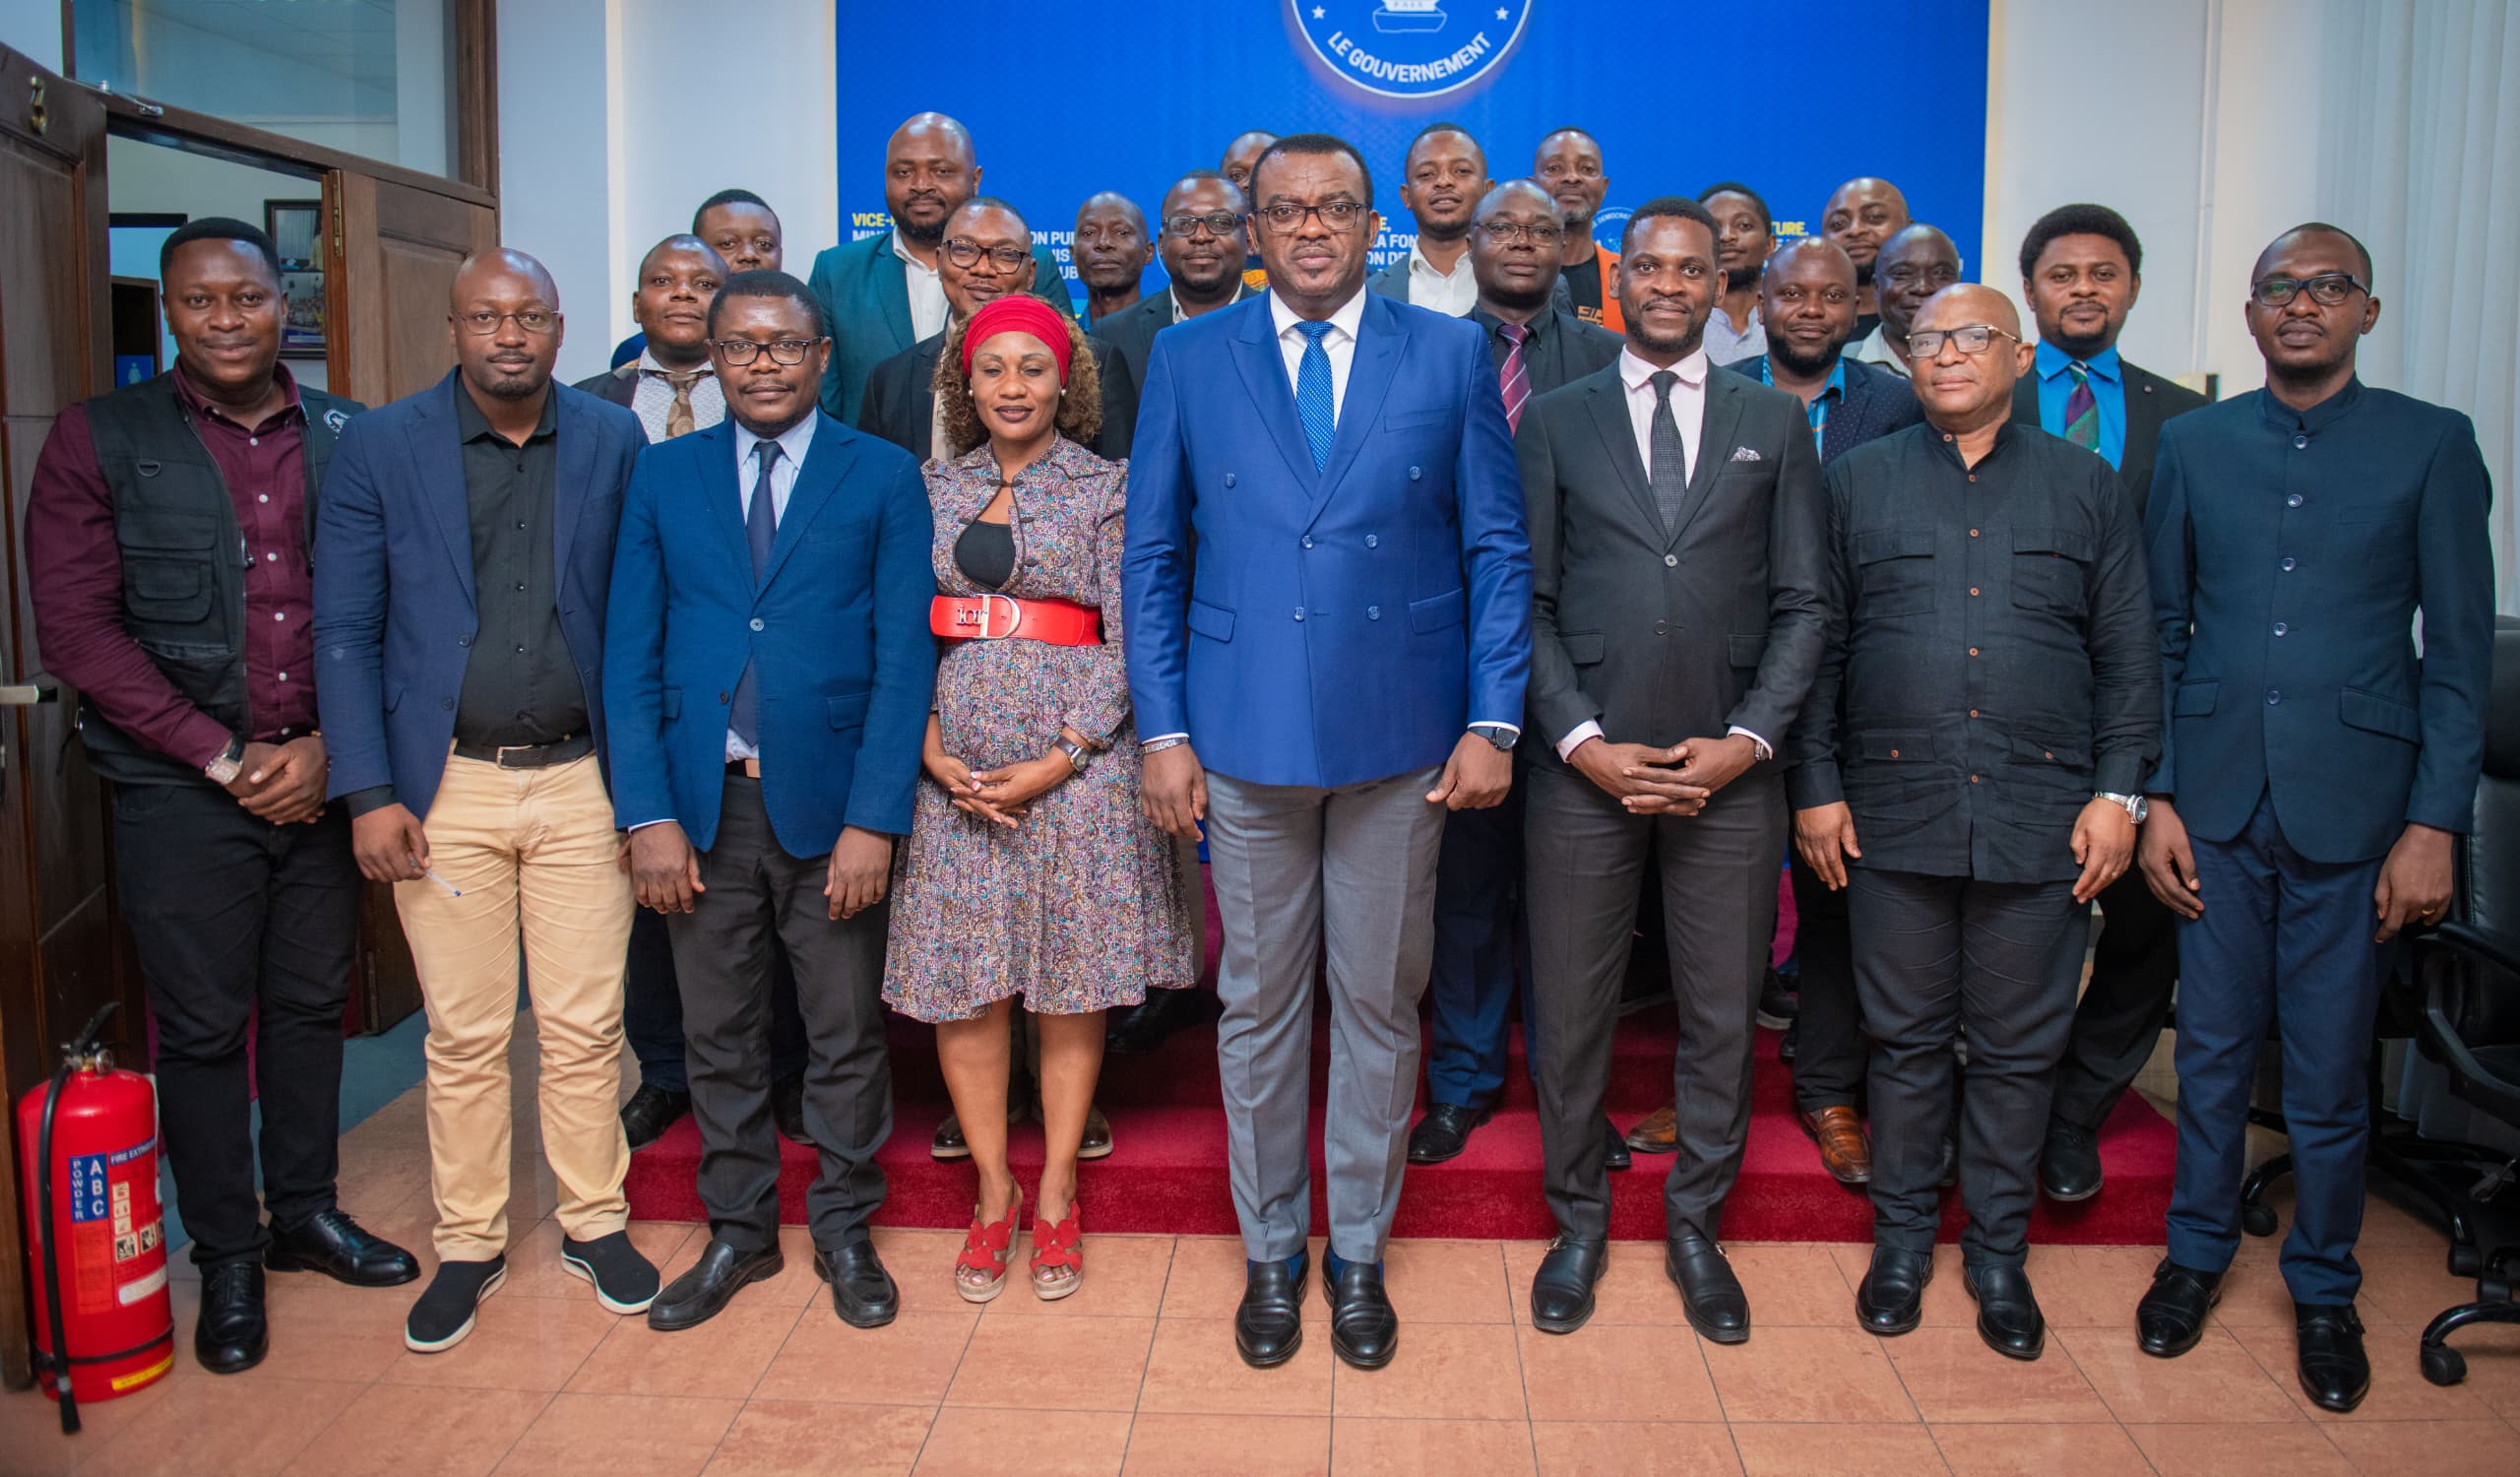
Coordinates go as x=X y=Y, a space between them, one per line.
x=58 y=962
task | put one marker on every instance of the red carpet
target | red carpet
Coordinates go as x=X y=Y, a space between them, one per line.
x=1168 y=1169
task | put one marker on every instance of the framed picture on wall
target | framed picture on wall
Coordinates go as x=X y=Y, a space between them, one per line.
x=296 y=227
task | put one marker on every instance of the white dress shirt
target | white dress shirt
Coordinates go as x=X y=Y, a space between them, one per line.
x=926 y=291
x=1339 y=344
x=1689 y=409
x=652 y=399
x=792 y=443
x=1454 y=292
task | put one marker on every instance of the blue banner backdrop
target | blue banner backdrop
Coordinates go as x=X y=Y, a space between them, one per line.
x=1065 y=97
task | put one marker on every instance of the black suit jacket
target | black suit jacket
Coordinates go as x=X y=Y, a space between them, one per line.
x=1661 y=636
x=2150 y=401
x=900 y=404
x=1131 y=333
x=1877 y=402
x=621 y=386
x=1561 y=350
x=1393 y=282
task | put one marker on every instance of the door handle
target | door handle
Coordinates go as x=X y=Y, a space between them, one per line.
x=27 y=694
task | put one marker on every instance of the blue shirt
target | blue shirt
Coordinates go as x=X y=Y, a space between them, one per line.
x=1818 y=408
x=2107 y=387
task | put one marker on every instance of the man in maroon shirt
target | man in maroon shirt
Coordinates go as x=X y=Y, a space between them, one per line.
x=167 y=530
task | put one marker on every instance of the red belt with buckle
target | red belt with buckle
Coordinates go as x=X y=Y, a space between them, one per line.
x=994 y=617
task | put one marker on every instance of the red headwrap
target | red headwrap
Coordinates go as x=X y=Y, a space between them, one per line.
x=1017 y=312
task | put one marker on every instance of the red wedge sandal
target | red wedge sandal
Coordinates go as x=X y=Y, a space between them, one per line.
x=979 y=1273
x=1058 y=1257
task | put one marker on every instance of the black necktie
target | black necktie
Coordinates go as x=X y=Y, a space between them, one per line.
x=1669 y=471
x=761 y=528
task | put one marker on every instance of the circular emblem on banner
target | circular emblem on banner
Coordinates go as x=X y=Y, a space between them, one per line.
x=1411 y=48
x=1607 y=224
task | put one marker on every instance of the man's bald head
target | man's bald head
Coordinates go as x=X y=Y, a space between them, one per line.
x=1806 y=300
x=686 y=245
x=1915 y=262
x=504 y=315
x=1960 y=389
x=1112 y=245
x=930 y=167
x=1242 y=155
x=1861 y=214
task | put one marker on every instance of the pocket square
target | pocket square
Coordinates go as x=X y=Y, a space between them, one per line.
x=1746 y=454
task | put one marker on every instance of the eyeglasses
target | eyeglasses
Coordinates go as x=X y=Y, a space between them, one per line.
x=965 y=253
x=2327 y=289
x=742 y=352
x=1215 y=224
x=532 y=320
x=1940 y=275
x=1507 y=233
x=1971 y=339
x=1286 y=218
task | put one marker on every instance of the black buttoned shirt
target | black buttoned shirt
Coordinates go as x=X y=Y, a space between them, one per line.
x=520 y=686
x=1990 y=660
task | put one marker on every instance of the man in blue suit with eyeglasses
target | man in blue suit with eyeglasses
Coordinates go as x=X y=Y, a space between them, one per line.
x=1328 y=597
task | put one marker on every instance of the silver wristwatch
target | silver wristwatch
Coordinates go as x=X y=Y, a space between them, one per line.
x=1500 y=737
x=230 y=763
x=2135 y=806
x=1077 y=755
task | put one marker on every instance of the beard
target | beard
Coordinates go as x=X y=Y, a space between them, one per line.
x=1782 y=353
x=2079 y=345
x=925 y=235
x=1748 y=277
x=1678 y=344
x=1863 y=274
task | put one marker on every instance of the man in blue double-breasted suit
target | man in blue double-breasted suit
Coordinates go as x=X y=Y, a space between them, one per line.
x=1328 y=592
x=2315 y=768
x=768 y=670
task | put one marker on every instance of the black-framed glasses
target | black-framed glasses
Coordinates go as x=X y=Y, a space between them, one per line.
x=1216 y=223
x=965 y=253
x=1939 y=275
x=1285 y=218
x=1507 y=233
x=2327 y=289
x=1969 y=338
x=742 y=352
x=486 y=323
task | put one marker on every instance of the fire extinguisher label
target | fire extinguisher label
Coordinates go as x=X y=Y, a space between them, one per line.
x=88 y=1192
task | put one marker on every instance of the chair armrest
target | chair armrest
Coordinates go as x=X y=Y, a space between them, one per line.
x=2492 y=950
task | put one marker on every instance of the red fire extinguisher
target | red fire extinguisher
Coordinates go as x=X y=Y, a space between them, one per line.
x=103 y=1321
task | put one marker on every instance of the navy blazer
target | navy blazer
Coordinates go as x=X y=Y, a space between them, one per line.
x=1876 y=403
x=2291 y=553
x=2151 y=404
x=1328 y=626
x=864 y=293
x=393 y=599
x=835 y=630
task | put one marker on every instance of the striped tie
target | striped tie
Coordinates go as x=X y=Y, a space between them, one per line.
x=1315 y=404
x=2082 y=408
x=1512 y=379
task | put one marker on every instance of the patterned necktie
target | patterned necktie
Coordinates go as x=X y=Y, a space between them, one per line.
x=1512 y=378
x=678 y=416
x=761 y=528
x=2082 y=408
x=1314 y=406
x=1669 y=471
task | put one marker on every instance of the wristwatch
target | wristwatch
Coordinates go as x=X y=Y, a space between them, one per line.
x=2135 y=806
x=1077 y=755
x=230 y=764
x=1497 y=734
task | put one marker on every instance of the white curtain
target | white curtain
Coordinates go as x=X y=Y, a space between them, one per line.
x=2418 y=155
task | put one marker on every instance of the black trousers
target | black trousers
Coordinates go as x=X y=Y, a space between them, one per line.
x=241 y=925
x=651 y=1009
x=722 y=949
x=1585 y=855
x=1828 y=1066
x=2135 y=970
x=1933 y=953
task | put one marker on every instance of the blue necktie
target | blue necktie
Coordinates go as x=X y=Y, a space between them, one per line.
x=760 y=527
x=1314 y=404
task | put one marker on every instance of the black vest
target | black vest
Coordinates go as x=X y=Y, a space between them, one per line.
x=183 y=559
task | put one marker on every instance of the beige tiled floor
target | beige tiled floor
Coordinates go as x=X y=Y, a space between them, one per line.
x=1137 y=1373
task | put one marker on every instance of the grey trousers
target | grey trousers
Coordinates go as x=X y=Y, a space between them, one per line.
x=1303 y=873
x=721 y=955
x=1585 y=855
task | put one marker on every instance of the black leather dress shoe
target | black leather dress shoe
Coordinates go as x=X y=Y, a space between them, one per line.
x=1364 y=1329
x=788 y=1108
x=1614 y=1153
x=331 y=1242
x=1562 y=1288
x=2070 y=1163
x=702 y=1293
x=2335 y=1372
x=1443 y=1132
x=861 y=1291
x=649 y=1111
x=2171 y=1317
x=232 y=1335
x=1140 y=1029
x=1710 y=1294
x=1789 y=1045
x=1268 y=1326
x=1891 y=1298
x=1778 y=1008
x=2008 y=1316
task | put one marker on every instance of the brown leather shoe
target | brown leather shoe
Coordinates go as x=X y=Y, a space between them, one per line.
x=1845 y=1152
x=1658 y=1133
